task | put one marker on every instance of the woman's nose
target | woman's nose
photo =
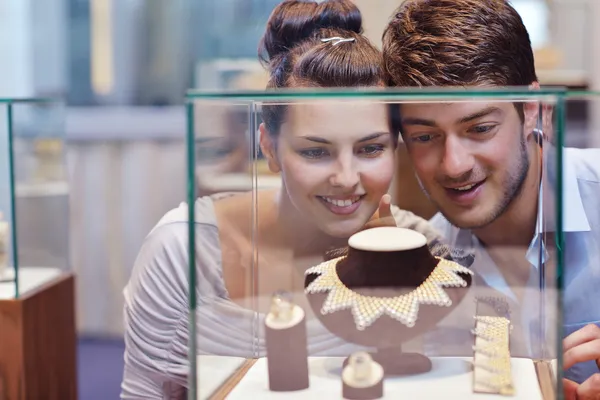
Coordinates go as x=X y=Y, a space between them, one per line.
x=345 y=175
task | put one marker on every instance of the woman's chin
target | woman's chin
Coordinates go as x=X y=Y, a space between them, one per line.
x=342 y=230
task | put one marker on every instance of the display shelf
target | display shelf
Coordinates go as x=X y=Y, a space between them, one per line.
x=42 y=189
x=448 y=375
x=30 y=278
x=212 y=370
x=38 y=337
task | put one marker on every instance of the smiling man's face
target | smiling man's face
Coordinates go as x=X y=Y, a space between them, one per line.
x=471 y=157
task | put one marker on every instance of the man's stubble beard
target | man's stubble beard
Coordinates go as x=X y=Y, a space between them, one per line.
x=514 y=184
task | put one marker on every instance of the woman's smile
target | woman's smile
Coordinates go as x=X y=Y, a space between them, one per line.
x=342 y=205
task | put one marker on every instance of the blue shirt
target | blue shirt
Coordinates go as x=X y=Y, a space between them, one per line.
x=581 y=255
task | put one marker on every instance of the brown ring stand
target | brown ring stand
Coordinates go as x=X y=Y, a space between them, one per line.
x=387 y=274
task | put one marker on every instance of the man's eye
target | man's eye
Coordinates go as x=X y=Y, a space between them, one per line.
x=481 y=129
x=313 y=153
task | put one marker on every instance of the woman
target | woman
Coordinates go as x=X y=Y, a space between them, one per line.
x=336 y=162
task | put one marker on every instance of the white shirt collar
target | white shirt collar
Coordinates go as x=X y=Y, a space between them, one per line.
x=574 y=216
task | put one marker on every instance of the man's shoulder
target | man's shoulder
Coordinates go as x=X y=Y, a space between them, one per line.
x=439 y=222
x=585 y=163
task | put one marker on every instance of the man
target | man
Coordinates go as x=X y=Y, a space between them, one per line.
x=484 y=166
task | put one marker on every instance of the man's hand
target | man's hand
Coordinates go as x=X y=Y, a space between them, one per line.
x=383 y=216
x=581 y=346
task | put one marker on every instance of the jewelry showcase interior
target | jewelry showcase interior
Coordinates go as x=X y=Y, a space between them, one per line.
x=386 y=314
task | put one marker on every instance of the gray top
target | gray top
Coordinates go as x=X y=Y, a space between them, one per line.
x=157 y=310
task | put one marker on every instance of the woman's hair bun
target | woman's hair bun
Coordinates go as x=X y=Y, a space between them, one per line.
x=294 y=21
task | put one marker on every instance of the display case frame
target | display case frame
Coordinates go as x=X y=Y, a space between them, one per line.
x=244 y=370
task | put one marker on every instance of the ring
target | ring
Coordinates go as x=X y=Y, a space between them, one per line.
x=282 y=306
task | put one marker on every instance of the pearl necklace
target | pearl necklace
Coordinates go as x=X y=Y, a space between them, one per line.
x=367 y=309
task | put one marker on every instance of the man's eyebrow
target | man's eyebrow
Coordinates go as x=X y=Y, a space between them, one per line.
x=427 y=122
x=479 y=114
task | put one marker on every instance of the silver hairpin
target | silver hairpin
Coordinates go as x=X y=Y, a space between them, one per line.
x=337 y=39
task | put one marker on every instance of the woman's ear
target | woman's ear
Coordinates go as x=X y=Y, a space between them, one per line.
x=268 y=148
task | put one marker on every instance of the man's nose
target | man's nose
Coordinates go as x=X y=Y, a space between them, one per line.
x=457 y=159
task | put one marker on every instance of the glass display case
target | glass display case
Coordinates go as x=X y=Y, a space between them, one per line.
x=37 y=289
x=34 y=195
x=305 y=284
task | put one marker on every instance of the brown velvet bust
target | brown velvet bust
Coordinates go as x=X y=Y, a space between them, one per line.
x=387 y=262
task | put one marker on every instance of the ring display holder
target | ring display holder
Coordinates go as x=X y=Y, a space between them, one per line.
x=362 y=378
x=287 y=353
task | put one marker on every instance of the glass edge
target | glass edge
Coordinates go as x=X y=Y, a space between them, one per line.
x=560 y=120
x=191 y=196
x=13 y=198
x=16 y=100
x=388 y=93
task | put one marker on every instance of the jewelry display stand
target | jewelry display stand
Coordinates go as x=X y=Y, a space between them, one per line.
x=388 y=290
x=287 y=351
x=38 y=336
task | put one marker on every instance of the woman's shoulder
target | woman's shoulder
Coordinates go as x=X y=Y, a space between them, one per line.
x=204 y=212
x=164 y=255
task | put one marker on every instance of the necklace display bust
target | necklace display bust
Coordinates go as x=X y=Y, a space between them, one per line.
x=387 y=290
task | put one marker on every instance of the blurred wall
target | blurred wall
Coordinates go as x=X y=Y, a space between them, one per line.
x=126 y=169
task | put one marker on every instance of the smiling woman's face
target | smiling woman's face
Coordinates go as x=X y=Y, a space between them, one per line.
x=337 y=161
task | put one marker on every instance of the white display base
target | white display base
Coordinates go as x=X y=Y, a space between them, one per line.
x=450 y=378
x=213 y=371
x=29 y=279
x=42 y=189
x=7 y=273
x=554 y=368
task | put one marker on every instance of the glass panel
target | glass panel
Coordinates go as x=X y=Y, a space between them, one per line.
x=580 y=274
x=224 y=166
x=485 y=160
x=36 y=185
x=6 y=221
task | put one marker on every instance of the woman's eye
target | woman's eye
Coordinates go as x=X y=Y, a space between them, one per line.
x=313 y=153
x=372 y=150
